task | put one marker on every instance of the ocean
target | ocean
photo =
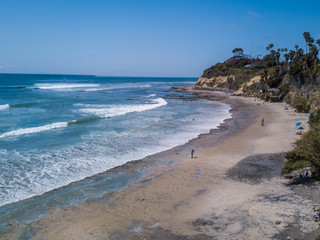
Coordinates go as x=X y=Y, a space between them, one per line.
x=60 y=129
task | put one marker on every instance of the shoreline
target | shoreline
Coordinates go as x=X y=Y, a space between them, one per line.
x=177 y=199
x=141 y=168
x=136 y=165
x=129 y=166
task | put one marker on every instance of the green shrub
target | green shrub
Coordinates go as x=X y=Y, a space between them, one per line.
x=295 y=162
x=301 y=104
x=306 y=152
x=284 y=89
x=295 y=69
x=221 y=85
x=257 y=67
x=314 y=118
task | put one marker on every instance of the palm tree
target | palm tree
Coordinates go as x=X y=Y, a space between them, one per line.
x=286 y=57
x=291 y=55
x=277 y=57
x=311 y=40
x=270 y=46
x=306 y=36
x=314 y=52
x=310 y=43
x=318 y=42
x=282 y=50
x=299 y=56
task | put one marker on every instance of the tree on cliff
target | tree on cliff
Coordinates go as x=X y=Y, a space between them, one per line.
x=318 y=42
x=307 y=37
x=288 y=68
x=270 y=46
x=238 y=52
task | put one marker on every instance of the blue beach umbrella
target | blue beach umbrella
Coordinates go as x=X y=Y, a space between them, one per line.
x=298 y=124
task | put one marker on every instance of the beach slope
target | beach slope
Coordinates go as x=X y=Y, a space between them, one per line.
x=231 y=189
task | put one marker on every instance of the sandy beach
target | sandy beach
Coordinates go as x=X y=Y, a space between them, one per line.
x=231 y=189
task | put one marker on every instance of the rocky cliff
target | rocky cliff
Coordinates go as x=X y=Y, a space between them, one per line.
x=251 y=77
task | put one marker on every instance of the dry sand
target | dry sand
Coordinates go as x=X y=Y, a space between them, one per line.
x=212 y=196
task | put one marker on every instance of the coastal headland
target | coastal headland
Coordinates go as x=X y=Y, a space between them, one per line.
x=231 y=189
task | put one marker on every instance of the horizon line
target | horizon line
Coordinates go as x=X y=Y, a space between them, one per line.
x=91 y=75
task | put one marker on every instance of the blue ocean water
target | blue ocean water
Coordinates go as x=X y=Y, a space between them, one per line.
x=58 y=129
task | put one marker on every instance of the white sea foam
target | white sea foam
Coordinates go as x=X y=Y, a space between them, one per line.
x=97 y=152
x=30 y=130
x=86 y=87
x=96 y=89
x=129 y=85
x=90 y=105
x=117 y=86
x=4 y=106
x=119 y=110
x=47 y=86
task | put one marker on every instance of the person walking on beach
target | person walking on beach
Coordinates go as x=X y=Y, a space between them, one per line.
x=262 y=122
x=192 y=152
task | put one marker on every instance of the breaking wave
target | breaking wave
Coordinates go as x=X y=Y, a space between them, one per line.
x=98 y=112
x=23 y=131
x=86 y=87
x=119 y=110
x=48 y=86
x=4 y=106
x=17 y=105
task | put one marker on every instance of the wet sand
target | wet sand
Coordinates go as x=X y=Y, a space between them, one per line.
x=231 y=189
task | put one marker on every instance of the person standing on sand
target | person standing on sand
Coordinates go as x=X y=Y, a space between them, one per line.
x=192 y=152
x=262 y=122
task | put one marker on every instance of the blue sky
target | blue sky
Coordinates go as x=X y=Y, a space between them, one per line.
x=144 y=37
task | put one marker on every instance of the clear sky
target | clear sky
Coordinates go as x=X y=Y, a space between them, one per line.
x=145 y=37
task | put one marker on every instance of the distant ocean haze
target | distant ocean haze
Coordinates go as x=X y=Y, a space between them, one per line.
x=57 y=129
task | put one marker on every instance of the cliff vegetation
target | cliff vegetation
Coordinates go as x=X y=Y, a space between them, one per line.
x=307 y=149
x=295 y=72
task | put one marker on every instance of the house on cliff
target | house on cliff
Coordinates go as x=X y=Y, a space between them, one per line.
x=271 y=94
